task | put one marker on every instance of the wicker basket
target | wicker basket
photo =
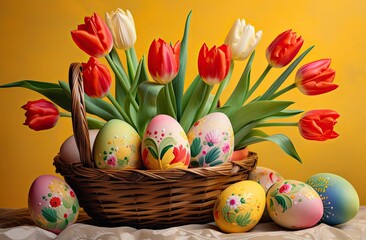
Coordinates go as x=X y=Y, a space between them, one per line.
x=142 y=198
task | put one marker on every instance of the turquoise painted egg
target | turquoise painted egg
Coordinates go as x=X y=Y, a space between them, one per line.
x=165 y=144
x=117 y=146
x=52 y=203
x=211 y=140
x=340 y=199
x=294 y=205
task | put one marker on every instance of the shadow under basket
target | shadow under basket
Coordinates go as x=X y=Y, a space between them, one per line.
x=152 y=198
x=142 y=198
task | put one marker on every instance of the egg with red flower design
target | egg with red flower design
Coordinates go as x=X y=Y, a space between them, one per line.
x=165 y=144
x=52 y=203
x=212 y=140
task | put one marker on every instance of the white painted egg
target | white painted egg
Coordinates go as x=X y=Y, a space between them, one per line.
x=239 y=207
x=165 y=144
x=69 y=151
x=52 y=203
x=293 y=204
x=266 y=177
x=117 y=146
x=212 y=140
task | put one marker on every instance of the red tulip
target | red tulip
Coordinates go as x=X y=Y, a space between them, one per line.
x=214 y=64
x=283 y=49
x=315 y=78
x=41 y=114
x=163 y=61
x=318 y=125
x=97 y=79
x=93 y=37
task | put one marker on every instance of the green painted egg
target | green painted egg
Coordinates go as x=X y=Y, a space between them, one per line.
x=340 y=199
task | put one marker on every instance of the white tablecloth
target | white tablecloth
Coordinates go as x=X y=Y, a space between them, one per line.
x=354 y=229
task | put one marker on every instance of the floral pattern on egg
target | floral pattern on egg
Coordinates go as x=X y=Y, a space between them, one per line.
x=265 y=177
x=294 y=204
x=53 y=205
x=165 y=144
x=117 y=146
x=239 y=207
x=212 y=140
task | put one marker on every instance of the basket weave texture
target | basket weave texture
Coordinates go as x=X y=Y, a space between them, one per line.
x=143 y=198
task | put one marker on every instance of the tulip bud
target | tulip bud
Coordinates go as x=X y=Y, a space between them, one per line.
x=163 y=61
x=315 y=78
x=122 y=27
x=41 y=114
x=283 y=49
x=214 y=64
x=242 y=39
x=97 y=79
x=318 y=125
x=93 y=37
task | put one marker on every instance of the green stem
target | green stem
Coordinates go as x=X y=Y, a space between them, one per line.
x=259 y=81
x=223 y=84
x=168 y=92
x=123 y=84
x=130 y=66
x=95 y=121
x=120 y=110
x=282 y=91
x=203 y=103
x=278 y=124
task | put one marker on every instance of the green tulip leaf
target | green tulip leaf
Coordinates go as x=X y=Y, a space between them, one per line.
x=281 y=140
x=178 y=81
x=120 y=94
x=237 y=98
x=148 y=94
x=255 y=111
x=189 y=92
x=50 y=90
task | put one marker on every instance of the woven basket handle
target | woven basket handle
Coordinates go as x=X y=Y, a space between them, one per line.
x=78 y=113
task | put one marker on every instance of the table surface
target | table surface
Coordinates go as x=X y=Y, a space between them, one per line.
x=16 y=224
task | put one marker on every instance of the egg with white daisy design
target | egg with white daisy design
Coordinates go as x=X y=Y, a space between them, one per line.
x=211 y=140
x=239 y=207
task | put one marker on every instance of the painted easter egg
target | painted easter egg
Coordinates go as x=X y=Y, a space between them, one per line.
x=117 y=146
x=52 y=203
x=165 y=144
x=239 y=207
x=293 y=204
x=265 y=177
x=340 y=199
x=212 y=140
x=69 y=151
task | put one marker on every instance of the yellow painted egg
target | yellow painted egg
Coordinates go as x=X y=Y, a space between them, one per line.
x=69 y=151
x=52 y=203
x=293 y=204
x=117 y=146
x=212 y=140
x=165 y=144
x=239 y=207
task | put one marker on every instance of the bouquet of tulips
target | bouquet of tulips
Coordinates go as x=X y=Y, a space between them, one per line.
x=137 y=99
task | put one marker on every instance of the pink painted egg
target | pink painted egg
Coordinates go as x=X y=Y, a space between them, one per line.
x=52 y=203
x=69 y=151
x=294 y=205
x=165 y=144
x=212 y=140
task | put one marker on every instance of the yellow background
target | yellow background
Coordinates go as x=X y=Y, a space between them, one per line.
x=35 y=44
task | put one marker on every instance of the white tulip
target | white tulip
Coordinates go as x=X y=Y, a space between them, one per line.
x=122 y=27
x=242 y=39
